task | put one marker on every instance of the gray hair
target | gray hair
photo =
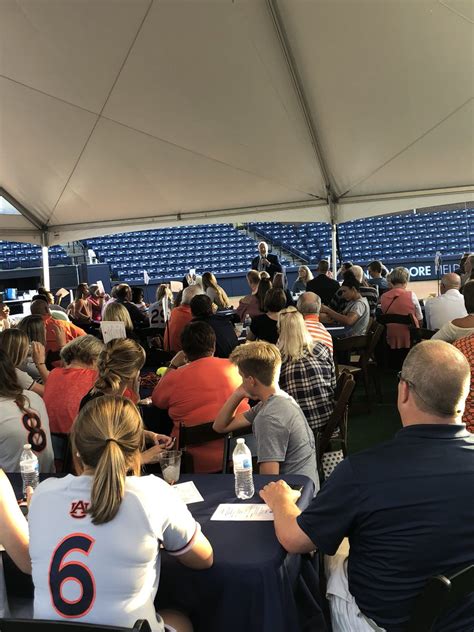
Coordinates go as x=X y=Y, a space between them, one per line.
x=399 y=276
x=358 y=272
x=309 y=303
x=439 y=376
x=84 y=349
x=190 y=292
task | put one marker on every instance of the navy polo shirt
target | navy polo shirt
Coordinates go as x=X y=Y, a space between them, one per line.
x=407 y=507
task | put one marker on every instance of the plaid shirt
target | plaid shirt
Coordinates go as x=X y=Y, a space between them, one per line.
x=311 y=382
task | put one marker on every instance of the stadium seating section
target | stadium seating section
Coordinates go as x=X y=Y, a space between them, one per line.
x=392 y=238
x=18 y=255
x=169 y=253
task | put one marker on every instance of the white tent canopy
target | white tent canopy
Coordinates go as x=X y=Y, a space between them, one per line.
x=127 y=114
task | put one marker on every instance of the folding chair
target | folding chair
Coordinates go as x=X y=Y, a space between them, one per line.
x=396 y=357
x=230 y=443
x=440 y=594
x=331 y=443
x=62 y=452
x=193 y=436
x=365 y=362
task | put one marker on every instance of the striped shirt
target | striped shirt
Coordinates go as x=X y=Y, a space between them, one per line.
x=317 y=330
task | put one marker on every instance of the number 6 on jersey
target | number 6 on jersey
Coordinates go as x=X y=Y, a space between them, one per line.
x=61 y=572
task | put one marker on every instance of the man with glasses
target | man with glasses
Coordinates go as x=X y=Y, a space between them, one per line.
x=405 y=505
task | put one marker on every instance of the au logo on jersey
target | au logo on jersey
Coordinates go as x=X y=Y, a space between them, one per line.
x=79 y=509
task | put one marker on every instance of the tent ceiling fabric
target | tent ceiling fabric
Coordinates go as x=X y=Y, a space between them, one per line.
x=125 y=115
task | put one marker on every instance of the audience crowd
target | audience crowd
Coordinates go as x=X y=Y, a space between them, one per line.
x=268 y=368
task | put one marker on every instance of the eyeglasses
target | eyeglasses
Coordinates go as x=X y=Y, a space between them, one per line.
x=410 y=383
x=413 y=387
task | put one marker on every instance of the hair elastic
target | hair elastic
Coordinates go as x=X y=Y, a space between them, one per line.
x=112 y=439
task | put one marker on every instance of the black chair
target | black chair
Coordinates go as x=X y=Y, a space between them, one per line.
x=440 y=594
x=394 y=358
x=230 y=443
x=62 y=441
x=418 y=334
x=40 y=625
x=398 y=319
x=331 y=443
x=193 y=436
x=365 y=364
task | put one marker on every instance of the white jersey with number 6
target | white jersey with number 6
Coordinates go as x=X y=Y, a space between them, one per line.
x=106 y=574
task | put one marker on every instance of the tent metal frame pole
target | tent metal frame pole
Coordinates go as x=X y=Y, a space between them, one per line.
x=333 y=212
x=45 y=260
x=201 y=215
x=274 y=10
x=400 y=195
x=29 y=215
x=334 y=250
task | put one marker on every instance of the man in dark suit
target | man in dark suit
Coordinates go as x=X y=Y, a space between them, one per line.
x=322 y=285
x=266 y=262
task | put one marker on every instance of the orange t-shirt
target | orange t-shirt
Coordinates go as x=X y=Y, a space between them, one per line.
x=71 y=331
x=63 y=391
x=179 y=318
x=193 y=395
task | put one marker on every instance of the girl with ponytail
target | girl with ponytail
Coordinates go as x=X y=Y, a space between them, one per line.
x=216 y=293
x=110 y=522
x=119 y=366
x=23 y=419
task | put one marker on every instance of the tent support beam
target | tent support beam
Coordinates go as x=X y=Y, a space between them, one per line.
x=29 y=215
x=398 y=195
x=272 y=6
x=190 y=217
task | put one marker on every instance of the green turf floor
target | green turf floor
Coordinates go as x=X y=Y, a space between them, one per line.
x=366 y=429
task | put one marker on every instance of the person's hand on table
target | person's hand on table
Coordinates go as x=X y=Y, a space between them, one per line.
x=278 y=492
x=159 y=439
x=152 y=455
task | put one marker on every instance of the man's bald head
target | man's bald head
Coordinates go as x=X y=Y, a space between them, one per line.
x=309 y=303
x=450 y=281
x=39 y=308
x=438 y=376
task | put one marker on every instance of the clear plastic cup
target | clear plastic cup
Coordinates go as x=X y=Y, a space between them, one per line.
x=170 y=462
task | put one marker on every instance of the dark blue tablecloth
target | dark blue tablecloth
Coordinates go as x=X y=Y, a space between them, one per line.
x=254 y=585
x=253 y=582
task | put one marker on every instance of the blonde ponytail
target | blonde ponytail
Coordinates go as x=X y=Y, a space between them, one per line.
x=108 y=434
x=118 y=363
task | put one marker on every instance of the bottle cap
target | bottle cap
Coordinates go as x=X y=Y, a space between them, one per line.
x=240 y=440
x=27 y=446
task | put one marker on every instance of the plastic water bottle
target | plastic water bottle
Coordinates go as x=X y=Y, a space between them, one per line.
x=29 y=468
x=242 y=459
